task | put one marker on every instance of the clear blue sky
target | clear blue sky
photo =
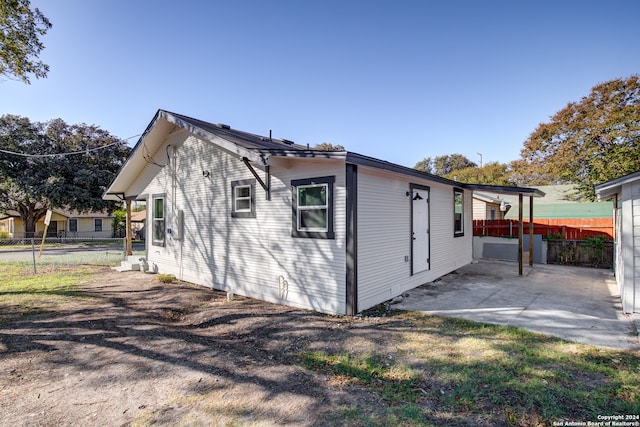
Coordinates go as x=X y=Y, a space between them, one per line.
x=396 y=80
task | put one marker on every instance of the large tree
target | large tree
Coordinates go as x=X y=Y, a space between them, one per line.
x=20 y=45
x=55 y=165
x=587 y=142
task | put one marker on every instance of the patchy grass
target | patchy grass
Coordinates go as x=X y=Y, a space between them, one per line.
x=445 y=370
x=394 y=381
x=28 y=293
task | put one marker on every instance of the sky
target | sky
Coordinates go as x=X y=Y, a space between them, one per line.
x=397 y=80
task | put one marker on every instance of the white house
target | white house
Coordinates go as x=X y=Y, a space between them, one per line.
x=625 y=193
x=336 y=232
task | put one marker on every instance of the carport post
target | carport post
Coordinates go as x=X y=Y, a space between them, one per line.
x=530 y=231
x=520 y=232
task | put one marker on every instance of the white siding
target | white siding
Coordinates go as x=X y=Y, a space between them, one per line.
x=627 y=255
x=480 y=209
x=634 y=292
x=255 y=257
x=384 y=235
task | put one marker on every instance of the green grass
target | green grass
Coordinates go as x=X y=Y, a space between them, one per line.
x=24 y=293
x=450 y=371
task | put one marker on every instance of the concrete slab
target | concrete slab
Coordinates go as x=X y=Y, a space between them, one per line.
x=577 y=304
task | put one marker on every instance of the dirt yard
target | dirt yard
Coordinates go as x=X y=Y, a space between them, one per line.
x=129 y=350
x=132 y=350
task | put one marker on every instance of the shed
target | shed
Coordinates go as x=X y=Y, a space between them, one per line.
x=625 y=194
x=332 y=231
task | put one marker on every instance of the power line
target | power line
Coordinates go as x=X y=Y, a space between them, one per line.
x=72 y=153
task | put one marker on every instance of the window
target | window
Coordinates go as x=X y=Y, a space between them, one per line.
x=244 y=198
x=312 y=207
x=97 y=224
x=157 y=227
x=73 y=225
x=458 y=212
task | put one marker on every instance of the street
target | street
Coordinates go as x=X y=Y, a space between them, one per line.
x=7 y=254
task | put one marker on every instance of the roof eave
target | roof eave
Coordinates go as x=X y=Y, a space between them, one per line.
x=503 y=189
x=608 y=189
x=607 y=192
x=359 y=159
x=252 y=155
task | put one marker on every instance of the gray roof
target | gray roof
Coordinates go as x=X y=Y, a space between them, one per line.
x=283 y=147
x=244 y=139
x=257 y=148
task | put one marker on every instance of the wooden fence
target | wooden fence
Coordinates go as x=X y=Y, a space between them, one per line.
x=563 y=228
x=582 y=253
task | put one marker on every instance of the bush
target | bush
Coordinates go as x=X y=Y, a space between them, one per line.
x=554 y=236
x=166 y=278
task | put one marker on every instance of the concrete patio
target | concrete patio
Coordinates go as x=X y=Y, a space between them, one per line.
x=574 y=303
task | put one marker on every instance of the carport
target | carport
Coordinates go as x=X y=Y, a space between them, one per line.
x=521 y=192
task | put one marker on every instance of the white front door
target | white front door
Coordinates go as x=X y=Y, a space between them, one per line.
x=420 y=229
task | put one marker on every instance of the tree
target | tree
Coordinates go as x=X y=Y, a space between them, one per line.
x=492 y=173
x=443 y=165
x=587 y=142
x=44 y=176
x=119 y=224
x=20 y=45
x=327 y=146
x=425 y=165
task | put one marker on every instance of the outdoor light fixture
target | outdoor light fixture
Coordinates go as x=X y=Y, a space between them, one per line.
x=416 y=197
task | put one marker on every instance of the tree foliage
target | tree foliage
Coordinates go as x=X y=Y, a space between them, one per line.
x=20 y=45
x=31 y=184
x=327 y=146
x=587 y=142
x=444 y=165
x=119 y=223
x=492 y=173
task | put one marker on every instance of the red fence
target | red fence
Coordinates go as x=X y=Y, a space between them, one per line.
x=568 y=228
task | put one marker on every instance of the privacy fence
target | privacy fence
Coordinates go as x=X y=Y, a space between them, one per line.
x=591 y=252
x=556 y=228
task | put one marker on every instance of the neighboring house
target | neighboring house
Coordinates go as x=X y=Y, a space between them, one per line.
x=625 y=193
x=64 y=223
x=487 y=207
x=336 y=232
x=138 y=222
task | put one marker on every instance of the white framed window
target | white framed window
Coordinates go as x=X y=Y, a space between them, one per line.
x=157 y=220
x=243 y=198
x=97 y=224
x=458 y=212
x=312 y=207
x=73 y=225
